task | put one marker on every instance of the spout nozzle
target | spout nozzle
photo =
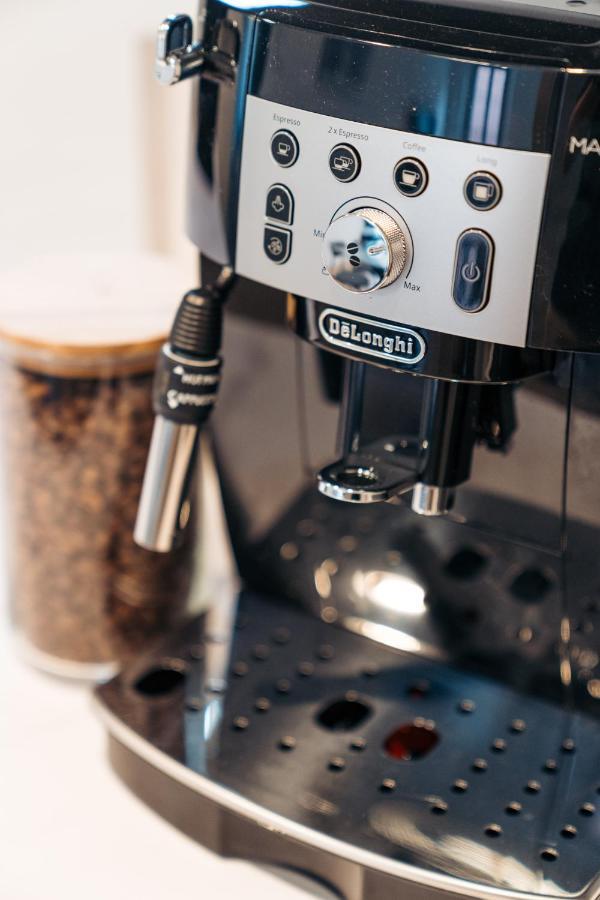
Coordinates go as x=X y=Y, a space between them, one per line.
x=163 y=511
x=431 y=500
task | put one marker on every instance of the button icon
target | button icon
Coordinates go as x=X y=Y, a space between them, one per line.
x=285 y=148
x=344 y=162
x=411 y=177
x=280 y=204
x=472 y=270
x=277 y=243
x=482 y=191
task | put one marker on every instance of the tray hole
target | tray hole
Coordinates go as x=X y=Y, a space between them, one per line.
x=282 y=635
x=533 y=787
x=549 y=854
x=466 y=563
x=412 y=740
x=569 y=831
x=387 y=786
x=419 y=689
x=530 y=586
x=343 y=715
x=439 y=807
x=460 y=786
x=587 y=809
x=287 y=743
x=160 y=680
x=493 y=830
x=306 y=668
x=514 y=808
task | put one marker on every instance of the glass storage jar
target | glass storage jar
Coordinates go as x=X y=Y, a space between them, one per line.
x=78 y=343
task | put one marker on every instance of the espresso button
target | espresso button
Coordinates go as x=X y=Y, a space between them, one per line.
x=285 y=149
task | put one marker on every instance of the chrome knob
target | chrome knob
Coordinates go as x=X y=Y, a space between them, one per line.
x=364 y=250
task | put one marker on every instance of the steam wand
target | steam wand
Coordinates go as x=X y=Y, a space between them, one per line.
x=186 y=383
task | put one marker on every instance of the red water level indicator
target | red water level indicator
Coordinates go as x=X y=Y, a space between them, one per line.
x=412 y=740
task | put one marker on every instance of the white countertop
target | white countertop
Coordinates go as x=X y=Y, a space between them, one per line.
x=69 y=829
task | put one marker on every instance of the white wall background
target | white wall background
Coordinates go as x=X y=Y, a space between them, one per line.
x=92 y=149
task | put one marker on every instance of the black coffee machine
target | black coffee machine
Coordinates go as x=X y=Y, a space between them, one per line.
x=402 y=696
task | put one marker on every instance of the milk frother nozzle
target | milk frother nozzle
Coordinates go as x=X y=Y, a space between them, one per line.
x=186 y=383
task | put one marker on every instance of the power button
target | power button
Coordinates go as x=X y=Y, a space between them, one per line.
x=472 y=270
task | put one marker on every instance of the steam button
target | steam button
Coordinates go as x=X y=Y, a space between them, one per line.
x=344 y=163
x=277 y=244
x=472 y=270
x=482 y=191
x=280 y=204
x=285 y=149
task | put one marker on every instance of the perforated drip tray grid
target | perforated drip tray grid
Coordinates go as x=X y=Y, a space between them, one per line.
x=411 y=760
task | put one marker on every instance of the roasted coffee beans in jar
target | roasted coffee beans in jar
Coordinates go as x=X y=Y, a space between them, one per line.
x=78 y=344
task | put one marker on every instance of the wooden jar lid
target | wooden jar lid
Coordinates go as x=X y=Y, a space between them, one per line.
x=89 y=314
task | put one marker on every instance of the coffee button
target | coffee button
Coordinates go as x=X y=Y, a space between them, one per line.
x=285 y=148
x=482 y=191
x=410 y=177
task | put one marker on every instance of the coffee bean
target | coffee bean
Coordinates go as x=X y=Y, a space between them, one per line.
x=74 y=456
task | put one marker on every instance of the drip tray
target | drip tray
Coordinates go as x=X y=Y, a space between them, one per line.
x=299 y=743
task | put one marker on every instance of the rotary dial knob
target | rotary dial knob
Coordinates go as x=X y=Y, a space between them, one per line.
x=364 y=250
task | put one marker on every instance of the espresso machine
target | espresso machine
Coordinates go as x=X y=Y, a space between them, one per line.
x=395 y=687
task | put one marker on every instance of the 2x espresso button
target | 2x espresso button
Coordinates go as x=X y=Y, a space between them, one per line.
x=344 y=163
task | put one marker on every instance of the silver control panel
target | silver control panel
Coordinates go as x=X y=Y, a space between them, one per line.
x=421 y=231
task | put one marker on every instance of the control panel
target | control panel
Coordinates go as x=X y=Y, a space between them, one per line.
x=421 y=231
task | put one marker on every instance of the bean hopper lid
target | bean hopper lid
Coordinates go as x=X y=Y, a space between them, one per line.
x=62 y=314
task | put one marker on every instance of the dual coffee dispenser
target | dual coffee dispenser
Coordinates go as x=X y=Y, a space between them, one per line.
x=397 y=688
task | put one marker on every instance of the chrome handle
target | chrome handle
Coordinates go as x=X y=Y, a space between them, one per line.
x=177 y=56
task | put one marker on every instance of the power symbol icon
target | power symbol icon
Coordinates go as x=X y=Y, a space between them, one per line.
x=471 y=272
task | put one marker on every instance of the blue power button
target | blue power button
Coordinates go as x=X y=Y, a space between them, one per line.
x=472 y=270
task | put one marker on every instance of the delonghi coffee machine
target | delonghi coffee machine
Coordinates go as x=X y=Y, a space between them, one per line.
x=401 y=694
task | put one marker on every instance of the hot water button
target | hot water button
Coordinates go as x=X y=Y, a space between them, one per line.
x=472 y=270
